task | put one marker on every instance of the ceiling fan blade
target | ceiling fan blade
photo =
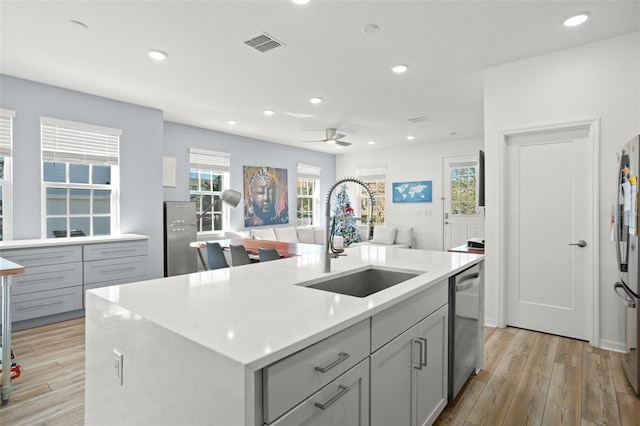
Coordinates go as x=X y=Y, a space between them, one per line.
x=343 y=143
x=339 y=136
x=322 y=140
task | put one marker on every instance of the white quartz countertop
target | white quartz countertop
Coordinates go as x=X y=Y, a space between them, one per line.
x=256 y=314
x=52 y=242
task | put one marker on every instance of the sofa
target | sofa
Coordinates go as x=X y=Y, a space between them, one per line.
x=398 y=237
x=387 y=236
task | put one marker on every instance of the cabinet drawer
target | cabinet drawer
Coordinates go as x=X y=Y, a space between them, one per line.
x=50 y=277
x=43 y=303
x=115 y=250
x=289 y=381
x=391 y=322
x=116 y=270
x=345 y=402
x=44 y=255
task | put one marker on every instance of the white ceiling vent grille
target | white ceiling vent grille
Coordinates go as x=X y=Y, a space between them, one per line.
x=418 y=119
x=263 y=42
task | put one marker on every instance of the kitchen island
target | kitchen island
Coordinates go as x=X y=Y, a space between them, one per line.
x=211 y=347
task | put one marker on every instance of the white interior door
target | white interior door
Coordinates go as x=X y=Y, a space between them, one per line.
x=460 y=224
x=549 y=208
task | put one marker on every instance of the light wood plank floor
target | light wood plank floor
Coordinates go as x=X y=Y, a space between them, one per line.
x=529 y=378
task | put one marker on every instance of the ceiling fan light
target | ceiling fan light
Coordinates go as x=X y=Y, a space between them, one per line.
x=331 y=141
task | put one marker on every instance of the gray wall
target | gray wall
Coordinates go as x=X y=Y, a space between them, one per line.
x=140 y=156
x=244 y=151
x=145 y=139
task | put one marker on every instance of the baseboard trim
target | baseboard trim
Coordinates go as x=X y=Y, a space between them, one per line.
x=613 y=345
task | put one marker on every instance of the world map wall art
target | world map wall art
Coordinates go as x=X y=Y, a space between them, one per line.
x=412 y=192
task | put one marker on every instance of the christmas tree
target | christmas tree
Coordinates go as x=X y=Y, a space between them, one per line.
x=346 y=228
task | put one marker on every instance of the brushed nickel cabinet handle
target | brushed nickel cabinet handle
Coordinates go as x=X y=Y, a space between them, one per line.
x=341 y=357
x=343 y=389
x=424 y=360
x=420 y=350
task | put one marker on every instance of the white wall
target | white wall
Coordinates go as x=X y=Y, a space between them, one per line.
x=412 y=163
x=598 y=80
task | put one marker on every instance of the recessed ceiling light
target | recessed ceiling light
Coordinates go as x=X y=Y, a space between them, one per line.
x=269 y=112
x=372 y=142
x=399 y=69
x=411 y=137
x=232 y=122
x=158 y=55
x=453 y=133
x=577 y=19
x=77 y=25
x=369 y=28
x=315 y=100
x=300 y=1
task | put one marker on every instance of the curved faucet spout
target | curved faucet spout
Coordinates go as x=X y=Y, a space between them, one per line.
x=329 y=250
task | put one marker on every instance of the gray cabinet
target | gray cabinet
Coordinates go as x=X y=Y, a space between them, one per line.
x=52 y=283
x=409 y=372
x=114 y=263
x=57 y=275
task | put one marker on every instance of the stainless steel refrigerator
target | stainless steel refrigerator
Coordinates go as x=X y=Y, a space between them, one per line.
x=628 y=253
x=179 y=231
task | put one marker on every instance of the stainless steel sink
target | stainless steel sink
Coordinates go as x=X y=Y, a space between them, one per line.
x=363 y=283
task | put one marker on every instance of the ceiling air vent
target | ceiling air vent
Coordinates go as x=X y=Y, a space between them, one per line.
x=418 y=119
x=263 y=42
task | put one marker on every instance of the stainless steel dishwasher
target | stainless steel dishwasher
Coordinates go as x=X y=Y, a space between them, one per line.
x=466 y=322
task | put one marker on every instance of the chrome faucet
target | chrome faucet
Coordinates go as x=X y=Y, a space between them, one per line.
x=329 y=250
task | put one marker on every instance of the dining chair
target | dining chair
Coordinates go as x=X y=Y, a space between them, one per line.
x=215 y=256
x=267 y=254
x=239 y=255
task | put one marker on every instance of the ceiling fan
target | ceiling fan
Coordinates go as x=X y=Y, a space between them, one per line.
x=333 y=138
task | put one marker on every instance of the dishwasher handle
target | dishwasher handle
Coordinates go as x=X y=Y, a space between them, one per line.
x=469 y=282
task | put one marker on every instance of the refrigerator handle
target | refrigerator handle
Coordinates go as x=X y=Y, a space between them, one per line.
x=626 y=296
x=618 y=235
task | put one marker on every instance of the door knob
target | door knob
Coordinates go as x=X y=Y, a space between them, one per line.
x=581 y=243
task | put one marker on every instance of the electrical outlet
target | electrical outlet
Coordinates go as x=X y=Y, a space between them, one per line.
x=118 y=358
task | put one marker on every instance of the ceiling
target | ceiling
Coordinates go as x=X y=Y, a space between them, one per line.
x=211 y=76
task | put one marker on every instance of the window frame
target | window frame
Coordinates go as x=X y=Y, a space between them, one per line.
x=453 y=200
x=214 y=163
x=309 y=175
x=373 y=174
x=68 y=155
x=6 y=181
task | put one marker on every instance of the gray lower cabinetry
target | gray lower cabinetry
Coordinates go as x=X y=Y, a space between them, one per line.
x=57 y=276
x=345 y=401
x=409 y=375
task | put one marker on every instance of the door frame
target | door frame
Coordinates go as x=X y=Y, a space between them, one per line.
x=593 y=299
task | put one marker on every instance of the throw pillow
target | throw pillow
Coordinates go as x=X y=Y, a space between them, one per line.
x=384 y=235
x=404 y=236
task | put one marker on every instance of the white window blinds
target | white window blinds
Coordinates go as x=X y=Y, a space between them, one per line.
x=70 y=142
x=214 y=161
x=6 y=131
x=305 y=171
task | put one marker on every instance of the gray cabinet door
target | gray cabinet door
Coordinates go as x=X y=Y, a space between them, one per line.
x=392 y=381
x=343 y=402
x=431 y=383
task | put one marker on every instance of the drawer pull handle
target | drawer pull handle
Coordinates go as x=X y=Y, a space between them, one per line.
x=117 y=251
x=35 y=280
x=343 y=389
x=341 y=357
x=40 y=305
x=114 y=271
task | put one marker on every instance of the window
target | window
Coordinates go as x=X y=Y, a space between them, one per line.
x=464 y=189
x=374 y=176
x=208 y=177
x=80 y=179
x=6 y=142
x=308 y=195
